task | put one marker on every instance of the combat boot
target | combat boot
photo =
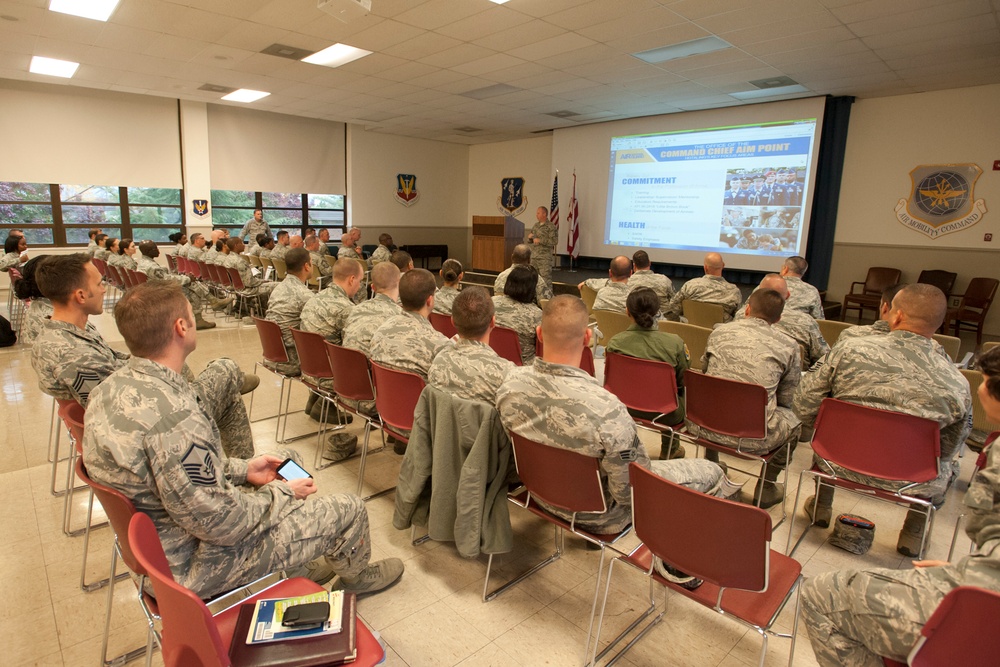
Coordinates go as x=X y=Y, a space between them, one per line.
x=670 y=448
x=201 y=323
x=340 y=446
x=912 y=534
x=374 y=578
x=824 y=507
x=768 y=491
x=220 y=304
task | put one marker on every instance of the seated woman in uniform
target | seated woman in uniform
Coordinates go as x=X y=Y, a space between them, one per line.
x=444 y=297
x=516 y=309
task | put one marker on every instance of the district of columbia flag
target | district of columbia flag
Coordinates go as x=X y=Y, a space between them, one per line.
x=573 y=218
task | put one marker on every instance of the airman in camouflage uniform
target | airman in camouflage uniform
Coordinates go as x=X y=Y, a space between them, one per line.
x=381 y=254
x=543 y=238
x=284 y=308
x=365 y=319
x=542 y=290
x=253 y=285
x=192 y=250
x=855 y=617
x=123 y=261
x=39 y=312
x=327 y=313
x=348 y=251
x=612 y=292
x=253 y=227
x=879 y=328
x=523 y=318
x=804 y=297
x=444 y=297
x=657 y=282
x=10 y=260
x=197 y=293
x=469 y=369
x=710 y=288
x=801 y=327
x=280 y=250
x=407 y=342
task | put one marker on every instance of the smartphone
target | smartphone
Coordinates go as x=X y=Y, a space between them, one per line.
x=310 y=613
x=289 y=470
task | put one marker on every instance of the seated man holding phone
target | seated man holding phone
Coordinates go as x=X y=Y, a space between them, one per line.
x=148 y=435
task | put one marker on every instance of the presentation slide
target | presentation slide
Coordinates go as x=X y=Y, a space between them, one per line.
x=739 y=190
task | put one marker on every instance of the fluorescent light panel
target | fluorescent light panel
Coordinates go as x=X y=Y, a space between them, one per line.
x=499 y=2
x=245 y=95
x=336 y=55
x=52 y=67
x=99 y=10
x=769 y=92
x=695 y=47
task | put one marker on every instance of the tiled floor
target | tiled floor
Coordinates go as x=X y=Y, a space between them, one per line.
x=433 y=617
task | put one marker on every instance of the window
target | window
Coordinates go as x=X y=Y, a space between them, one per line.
x=62 y=214
x=286 y=211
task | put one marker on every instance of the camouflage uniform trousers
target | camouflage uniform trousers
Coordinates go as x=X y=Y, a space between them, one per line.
x=855 y=616
x=290 y=368
x=218 y=387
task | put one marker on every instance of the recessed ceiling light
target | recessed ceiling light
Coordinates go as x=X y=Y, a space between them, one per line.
x=336 y=55
x=99 y=10
x=694 y=47
x=52 y=67
x=769 y=92
x=499 y=2
x=245 y=95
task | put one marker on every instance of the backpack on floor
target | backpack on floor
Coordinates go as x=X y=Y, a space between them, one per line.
x=7 y=335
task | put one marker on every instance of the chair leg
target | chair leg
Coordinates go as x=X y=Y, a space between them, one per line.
x=364 y=456
x=789 y=549
x=487 y=596
x=93 y=586
x=928 y=527
x=632 y=626
x=954 y=535
x=134 y=653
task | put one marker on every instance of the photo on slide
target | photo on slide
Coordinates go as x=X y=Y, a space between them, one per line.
x=772 y=186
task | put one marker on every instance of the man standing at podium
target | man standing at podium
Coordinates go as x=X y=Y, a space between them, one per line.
x=542 y=238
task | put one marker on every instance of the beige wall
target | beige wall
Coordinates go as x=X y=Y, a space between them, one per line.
x=890 y=136
x=531 y=159
x=442 y=172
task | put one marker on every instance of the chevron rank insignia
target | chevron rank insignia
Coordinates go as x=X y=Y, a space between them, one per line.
x=197 y=463
x=84 y=382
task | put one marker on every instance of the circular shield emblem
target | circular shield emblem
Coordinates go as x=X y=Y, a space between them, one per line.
x=942 y=193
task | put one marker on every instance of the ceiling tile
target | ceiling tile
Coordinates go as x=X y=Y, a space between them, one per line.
x=491 y=63
x=632 y=24
x=654 y=39
x=539 y=9
x=483 y=24
x=567 y=41
x=754 y=16
x=407 y=72
x=456 y=56
x=436 y=13
x=65 y=26
x=597 y=11
x=922 y=17
x=957 y=30
x=421 y=46
x=384 y=35
x=522 y=35
x=174 y=48
x=699 y=9
x=876 y=9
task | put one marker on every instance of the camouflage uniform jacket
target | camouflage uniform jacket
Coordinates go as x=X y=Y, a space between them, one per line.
x=149 y=436
x=801 y=328
x=264 y=253
x=562 y=406
x=91 y=247
x=102 y=253
x=548 y=236
x=711 y=289
x=657 y=282
x=610 y=295
x=10 y=260
x=70 y=362
x=542 y=289
x=901 y=372
x=444 y=297
x=284 y=308
x=381 y=254
x=39 y=312
x=327 y=313
x=317 y=260
x=234 y=261
x=804 y=297
x=252 y=228
x=154 y=271
x=522 y=318
x=751 y=350
x=348 y=251
x=123 y=261
x=407 y=342
x=180 y=250
x=470 y=370
x=194 y=252
x=279 y=251
x=365 y=319
x=879 y=328
x=212 y=256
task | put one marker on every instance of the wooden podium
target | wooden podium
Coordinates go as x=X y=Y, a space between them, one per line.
x=493 y=241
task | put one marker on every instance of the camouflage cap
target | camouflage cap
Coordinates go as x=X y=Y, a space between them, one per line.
x=853 y=533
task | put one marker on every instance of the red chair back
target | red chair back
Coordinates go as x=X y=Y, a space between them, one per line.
x=728 y=407
x=505 y=343
x=101 y=265
x=172 y=263
x=72 y=414
x=560 y=477
x=214 y=274
x=119 y=510
x=396 y=396
x=961 y=631
x=111 y=272
x=641 y=384
x=138 y=277
x=271 y=341
x=234 y=277
x=586 y=357
x=181 y=264
x=700 y=534
x=877 y=443
x=190 y=635
x=444 y=324
x=351 y=373
x=312 y=354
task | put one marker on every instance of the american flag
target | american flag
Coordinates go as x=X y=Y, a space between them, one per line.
x=554 y=205
x=572 y=217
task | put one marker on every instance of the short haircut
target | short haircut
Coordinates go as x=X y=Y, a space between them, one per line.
x=989 y=364
x=311 y=242
x=295 y=259
x=232 y=242
x=641 y=259
x=797 y=265
x=94 y=231
x=385 y=276
x=402 y=260
x=472 y=312
x=890 y=293
x=99 y=238
x=621 y=267
x=521 y=284
x=259 y=209
x=346 y=267
x=384 y=239
x=644 y=307
x=521 y=254
x=451 y=270
x=123 y=246
x=282 y=233
x=766 y=304
x=261 y=238
x=146 y=314
x=11 y=243
x=543 y=208
x=194 y=237
x=61 y=275
x=415 y=287
x=564 y=321
x=922 y=303
x=148 y=248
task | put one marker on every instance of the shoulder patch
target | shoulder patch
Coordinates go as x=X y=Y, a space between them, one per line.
x=197 y=463
x=84 y=382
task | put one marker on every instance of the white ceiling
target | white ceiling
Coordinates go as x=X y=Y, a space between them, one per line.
x=553 y=55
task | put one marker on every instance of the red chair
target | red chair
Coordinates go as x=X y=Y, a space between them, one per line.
x=315 y=364
x=191 y=634
x=724 y=543
x=736 y=409
x=396 y=396
x=961 y=631
x=71 y=413
x=505 y=343
x=171 y=263
x=444 y=324
x=976 y=302
x=274 y=351
x=643 y=385
x=586 y=357
x=353 y=384
x=892 y=446
x=241 y=291
x=878 y=280
x=570 y=481
x=137 y=277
